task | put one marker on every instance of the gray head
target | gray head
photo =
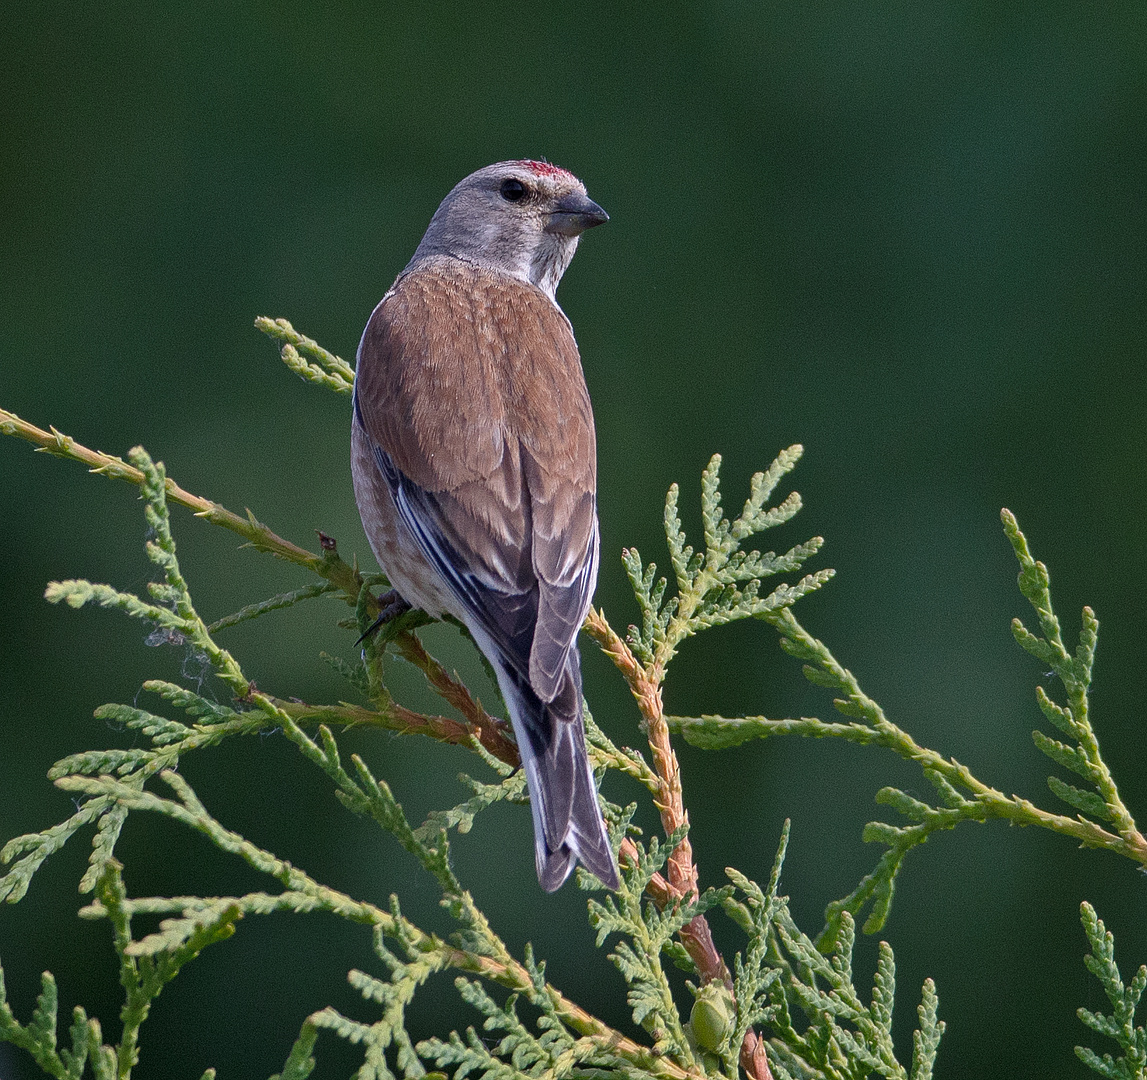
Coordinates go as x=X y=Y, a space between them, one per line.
x=522 y=218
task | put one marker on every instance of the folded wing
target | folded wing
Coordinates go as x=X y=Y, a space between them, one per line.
x=473 y=399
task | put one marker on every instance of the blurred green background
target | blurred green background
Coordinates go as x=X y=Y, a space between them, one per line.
x=910 y=236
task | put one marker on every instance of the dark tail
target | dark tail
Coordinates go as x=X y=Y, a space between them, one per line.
x=563 y=798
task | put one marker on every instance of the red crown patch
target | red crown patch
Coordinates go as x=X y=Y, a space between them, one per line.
x=544 y=168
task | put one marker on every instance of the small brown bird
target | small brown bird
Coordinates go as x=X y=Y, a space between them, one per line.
x=475 y=469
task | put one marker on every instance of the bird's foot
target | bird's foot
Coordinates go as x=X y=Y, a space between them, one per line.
x=392 y=605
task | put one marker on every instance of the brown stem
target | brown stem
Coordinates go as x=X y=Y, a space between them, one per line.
x=681 y=878
x=407 y=722
x=658 y=888
x=491 y=732
x=645 y=685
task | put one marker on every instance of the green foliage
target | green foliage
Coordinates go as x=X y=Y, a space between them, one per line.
x=783 y=972
x=960 y=796
x=1074 y=672
x=275 y=603
x=461 y=817
x=721 y=583
x=786 y=999
x=647 y=933
x=555 y=1050
x=39 y=1037
x=393 y=995
x=307 y=358
x=1120 y=1025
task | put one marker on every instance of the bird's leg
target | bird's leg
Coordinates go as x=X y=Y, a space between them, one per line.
x=392 y=605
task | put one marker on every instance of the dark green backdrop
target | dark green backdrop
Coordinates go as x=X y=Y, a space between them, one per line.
x=908 y=235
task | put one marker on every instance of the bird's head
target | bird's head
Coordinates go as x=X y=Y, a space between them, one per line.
x=521 y=218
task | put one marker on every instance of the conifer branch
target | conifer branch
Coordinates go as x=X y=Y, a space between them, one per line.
x=302 y=893
x=647 y=933
x=681 y=876
x=324 y=368
x=113 y=785
x=1120 y=1025
x=491 y=733
x=718 y=584
x=783 y=970
x=963 y=796
x=327 y=565
x=1074 y=672
x=275 y=603
x=40 y=1039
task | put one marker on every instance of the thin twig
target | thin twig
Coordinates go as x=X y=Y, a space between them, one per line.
x=327 y=565
x=395 y=717
x=681 y=878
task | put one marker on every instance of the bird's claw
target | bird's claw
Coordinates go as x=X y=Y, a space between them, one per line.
x=391 y=606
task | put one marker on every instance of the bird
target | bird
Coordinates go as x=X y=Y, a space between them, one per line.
x=474 y=462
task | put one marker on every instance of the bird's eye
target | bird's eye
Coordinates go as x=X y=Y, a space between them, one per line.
x=513 y=190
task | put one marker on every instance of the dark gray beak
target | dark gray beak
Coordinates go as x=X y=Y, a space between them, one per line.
x=573 y=214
